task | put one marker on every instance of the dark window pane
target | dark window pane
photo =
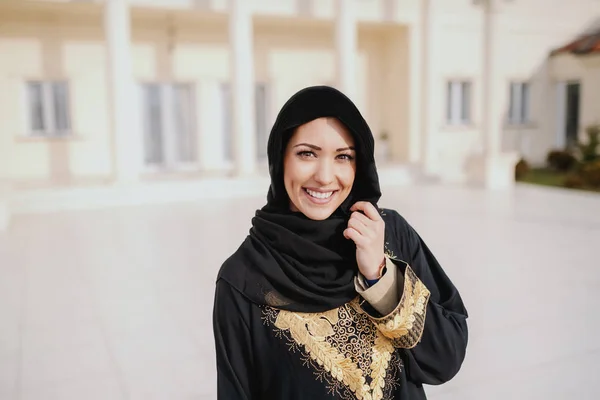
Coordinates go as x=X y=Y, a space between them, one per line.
x=183 y=114
x=36 y=108
x=152 y=115
x=525 y=103
x=512 y=108
x=60 y=98
x=227 y=126
x=466 y=102
x=261 y=120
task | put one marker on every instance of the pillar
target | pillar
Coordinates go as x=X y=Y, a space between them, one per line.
x=492 y=168
x=123 y=101
x=346 y=47
x=241 y=37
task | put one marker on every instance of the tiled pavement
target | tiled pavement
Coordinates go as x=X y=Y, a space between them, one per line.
x=116 y=303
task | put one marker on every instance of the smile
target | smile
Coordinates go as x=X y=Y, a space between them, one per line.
x=319 y=197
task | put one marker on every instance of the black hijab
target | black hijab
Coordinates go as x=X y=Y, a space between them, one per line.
x=289 y=261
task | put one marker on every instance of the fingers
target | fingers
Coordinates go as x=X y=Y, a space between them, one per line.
x=358 y=224
x=361 y=217
x=368 y=208
x=355 y=236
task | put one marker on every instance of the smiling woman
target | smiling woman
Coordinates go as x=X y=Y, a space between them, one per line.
x=319 y=167
x=330 y=296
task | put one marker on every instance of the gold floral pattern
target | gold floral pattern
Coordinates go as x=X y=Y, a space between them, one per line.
x=404 y=326
x=352 y=352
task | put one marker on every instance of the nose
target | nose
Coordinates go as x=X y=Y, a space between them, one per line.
x=325 y=173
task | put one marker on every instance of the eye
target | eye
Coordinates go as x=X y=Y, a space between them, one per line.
x=306 y=154
x=346 y=157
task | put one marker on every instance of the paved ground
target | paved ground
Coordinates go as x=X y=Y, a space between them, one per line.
x=116 y=304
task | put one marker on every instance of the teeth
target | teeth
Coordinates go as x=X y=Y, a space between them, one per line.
x=319 y=195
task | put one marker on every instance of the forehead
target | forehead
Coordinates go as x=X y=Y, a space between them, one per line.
x=322 y=132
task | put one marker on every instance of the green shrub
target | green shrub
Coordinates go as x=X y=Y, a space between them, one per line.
x=590 y=174
x=521 y=169
x=574 y=181
x=561 y=160
x=589 y=150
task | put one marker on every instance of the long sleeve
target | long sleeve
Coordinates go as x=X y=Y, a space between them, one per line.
x=436 y=336
x=385 y=294
x=232 y=344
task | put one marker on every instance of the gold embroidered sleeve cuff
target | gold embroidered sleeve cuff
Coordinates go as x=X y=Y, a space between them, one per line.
x=385 y=294
x=404 y=325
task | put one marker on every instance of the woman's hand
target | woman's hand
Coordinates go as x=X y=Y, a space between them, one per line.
x=368 y=233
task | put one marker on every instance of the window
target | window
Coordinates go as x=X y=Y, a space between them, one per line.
x=168 y=124
x=262 y=129
x=227 y=125
x=518 y=112
x=261 y=124
x=183 y=121
x=48 y=106
x=459 y=103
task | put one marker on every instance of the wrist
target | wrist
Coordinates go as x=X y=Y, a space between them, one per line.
x=376 y=273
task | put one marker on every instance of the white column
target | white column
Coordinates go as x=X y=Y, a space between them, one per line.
x=4 y=203
x=491 y=125
x=346 y=47
x=241 y=37
x=5 y=182
x=424 y=107
x=211 y=112
x=124 y=107
x=495 y=167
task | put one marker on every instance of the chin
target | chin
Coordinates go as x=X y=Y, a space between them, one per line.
x=319 y=215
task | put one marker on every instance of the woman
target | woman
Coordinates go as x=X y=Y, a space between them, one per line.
x=330 y=297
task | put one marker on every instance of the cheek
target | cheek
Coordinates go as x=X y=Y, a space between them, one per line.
x=347 y=176
x=292 y=173
x=297 y=172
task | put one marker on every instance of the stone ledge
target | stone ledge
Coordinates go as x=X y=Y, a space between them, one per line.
x=492 y=172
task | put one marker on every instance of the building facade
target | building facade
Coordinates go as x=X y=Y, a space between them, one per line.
x=110 y=92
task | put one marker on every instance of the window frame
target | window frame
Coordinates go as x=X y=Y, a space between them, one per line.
x=519 y=101
x=49 y=107
x=458 y=114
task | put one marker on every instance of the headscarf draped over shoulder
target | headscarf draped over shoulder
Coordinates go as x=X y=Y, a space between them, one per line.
x=289 y=261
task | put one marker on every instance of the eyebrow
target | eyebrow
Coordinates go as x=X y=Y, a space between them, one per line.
x=312 y=146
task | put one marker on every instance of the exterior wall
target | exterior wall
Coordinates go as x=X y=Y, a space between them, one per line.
x=46 y=45
x=293 y=47
x=382 y=96
x=42 y=47
x=556 y=23
x=525 y=33
x=399 y=11
x=586 y=70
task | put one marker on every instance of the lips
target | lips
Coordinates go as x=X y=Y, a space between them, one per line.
x=319 y=196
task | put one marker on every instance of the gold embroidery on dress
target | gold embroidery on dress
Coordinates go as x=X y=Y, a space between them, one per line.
x=405 y=324
x=388 y=252
x=348 y=353
x=382 y=354
x=351 y=351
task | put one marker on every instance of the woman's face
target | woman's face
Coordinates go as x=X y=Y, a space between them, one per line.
x=319 y=166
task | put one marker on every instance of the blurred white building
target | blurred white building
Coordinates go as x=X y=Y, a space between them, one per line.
x=114 y=93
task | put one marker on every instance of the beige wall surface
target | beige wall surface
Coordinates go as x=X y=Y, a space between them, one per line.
x=293 y=47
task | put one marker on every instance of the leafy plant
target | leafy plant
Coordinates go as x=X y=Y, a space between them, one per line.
x=590 y=173
x=589 y=150
x=574 y=181
x=521 y=169
x=561 y=160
